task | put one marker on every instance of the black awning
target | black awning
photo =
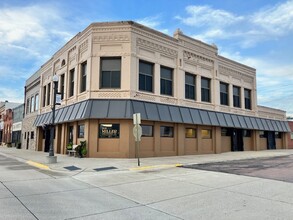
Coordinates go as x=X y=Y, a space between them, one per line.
x=124 y=109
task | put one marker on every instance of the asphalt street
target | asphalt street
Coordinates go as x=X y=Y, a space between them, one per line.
x=27 y=192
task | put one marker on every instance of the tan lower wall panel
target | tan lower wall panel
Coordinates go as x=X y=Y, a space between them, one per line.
x=247 y=142
x=226 y=144
x=190 y=145
x=279 y=144
x=206 y=146
x=167 y=144
x=263 y=144
x=109 y=145
x=147 y=144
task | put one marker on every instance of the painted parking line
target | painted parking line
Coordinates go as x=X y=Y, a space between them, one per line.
x=157 y=166
x=38 y=165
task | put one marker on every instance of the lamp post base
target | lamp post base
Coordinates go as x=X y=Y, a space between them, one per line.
x=52 y=159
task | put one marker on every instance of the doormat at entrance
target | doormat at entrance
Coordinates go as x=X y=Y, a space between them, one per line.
x=72 y=168
x=105 y=168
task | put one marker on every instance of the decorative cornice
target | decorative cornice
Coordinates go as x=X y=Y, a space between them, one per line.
x=156 y=47
x=111 y=37
x=194 y=47
x=195 y=58
x=84 y=46
x=234 y=73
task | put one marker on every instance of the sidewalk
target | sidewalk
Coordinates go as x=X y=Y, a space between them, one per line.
x=38 y=159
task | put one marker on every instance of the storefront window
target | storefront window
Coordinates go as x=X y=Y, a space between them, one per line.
x=109 y=130
x=190 y=133
x=81 y=131
x=166 y=131
x=147 y=130
x=206 y=134
x=224 y=132
x=278 y=134
x=261 y=134
x=247 y=133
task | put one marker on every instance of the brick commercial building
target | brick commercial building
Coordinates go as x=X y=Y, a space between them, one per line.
x=6 y=121
x=191 y=99
x=31 y=97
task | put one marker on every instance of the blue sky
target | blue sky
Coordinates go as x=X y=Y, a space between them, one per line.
x=258 y=34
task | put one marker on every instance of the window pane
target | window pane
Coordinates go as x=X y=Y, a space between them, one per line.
x=189 y=79
x=149 y=83
x=111 y=64
x=37 y=102
x=142 y=82
x=205 y=90
x=206 y=134
x=247 y=133
x=236 y=96
x=190 y=133
x=147 y=130
x=106 y=79
x=115 y=79
x=80 y=131
x=166 y=131
x=166 y=73
x=224 y=132
x=109 y=130
x=145 y=68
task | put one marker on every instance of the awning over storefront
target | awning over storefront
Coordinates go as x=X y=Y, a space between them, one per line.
x=124 y=109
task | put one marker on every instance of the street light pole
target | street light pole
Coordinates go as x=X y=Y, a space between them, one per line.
x=51 y=157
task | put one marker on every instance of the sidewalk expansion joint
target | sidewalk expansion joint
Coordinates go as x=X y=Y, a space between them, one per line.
x=38 y=165
x=156 y=167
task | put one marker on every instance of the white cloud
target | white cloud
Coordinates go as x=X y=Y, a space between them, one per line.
x=274 y=80
x=266 y=24
x=277 y=20
x=207 y=16
x=12 y=95
x=153 y=22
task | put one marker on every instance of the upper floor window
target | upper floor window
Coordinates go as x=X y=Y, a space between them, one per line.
x=62 y=85
x=247 y=100
x=236 y=96
x=37 y=102
x=28 y=106
x=205 y=89
x=32 y=104
x=83 y=77
x=146 y=71
x=189 y=86
x=166 y=81
x=49 y=94
x=44 y=95
x=224 y=94
x=71 y=82
x=110 y=72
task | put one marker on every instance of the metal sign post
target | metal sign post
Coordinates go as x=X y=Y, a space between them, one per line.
x=137 y=132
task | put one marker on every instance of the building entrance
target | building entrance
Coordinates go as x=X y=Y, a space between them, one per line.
x=47 y=139
x=236 y=139
x=271 y=140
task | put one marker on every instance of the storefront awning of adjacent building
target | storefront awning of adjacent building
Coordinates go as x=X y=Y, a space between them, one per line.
x=124 y=109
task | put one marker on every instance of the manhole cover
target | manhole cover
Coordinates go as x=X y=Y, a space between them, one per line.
x=72 y=168
x=105 y=168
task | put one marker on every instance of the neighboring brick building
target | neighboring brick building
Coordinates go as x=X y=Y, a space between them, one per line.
x=31 y=108
x=17 y=124
x=6 y=121
x=191 y=99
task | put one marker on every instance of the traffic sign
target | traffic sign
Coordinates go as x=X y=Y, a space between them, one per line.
x=137 y=132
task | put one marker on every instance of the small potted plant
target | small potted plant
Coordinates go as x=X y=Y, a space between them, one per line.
x=69 y=146
x=81 y=149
